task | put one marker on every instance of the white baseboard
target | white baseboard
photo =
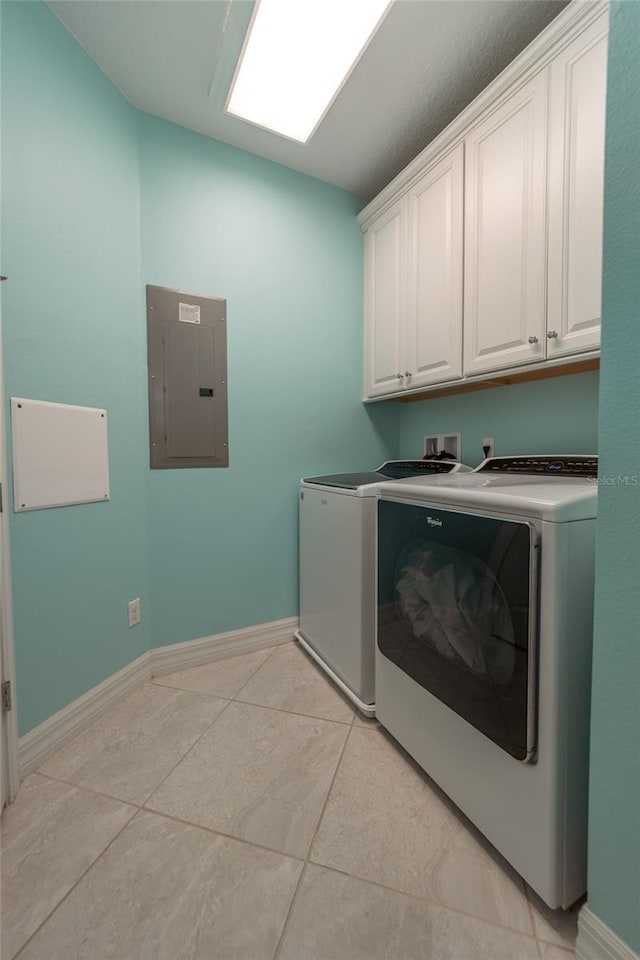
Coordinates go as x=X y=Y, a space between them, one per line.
x=49 y=736
x=597 y=941
x=37 y=745
x=193 y=653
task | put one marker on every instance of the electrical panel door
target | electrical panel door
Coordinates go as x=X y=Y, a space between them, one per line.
x=187 y=379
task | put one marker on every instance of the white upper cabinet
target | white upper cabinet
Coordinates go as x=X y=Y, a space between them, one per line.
x=576 y=192
x=485 y=254
x=434 y=303
x=505 y=235
x=385 y=243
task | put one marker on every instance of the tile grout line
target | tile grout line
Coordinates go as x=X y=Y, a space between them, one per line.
x=294 y=899
x=194 y=693
x=142 y=808
x=467 y=825
x=180 y=759
x=311 y=843
x=83 y=789
x=142 y=805
x=295 y=713
x=148 y=682
x=250 y=703
x=158 y=680
x=259 y=667
x=290 y=713
x=206 y=696
x=333 y=780
x=558 y=946
x=435 y=903
x=306 y=861
x=219 y=833
x=186 y=754
x=74 y=885
x=235 y=699
x=137 y=808
x=426 y=900
x=532 y=920
x=541 y=939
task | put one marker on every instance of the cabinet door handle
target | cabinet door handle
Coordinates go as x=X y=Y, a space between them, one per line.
x=407 y=373
x=398 y=376
x=533 y=339
x=552 y=334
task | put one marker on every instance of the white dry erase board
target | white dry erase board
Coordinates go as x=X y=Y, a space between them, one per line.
x=60 y=454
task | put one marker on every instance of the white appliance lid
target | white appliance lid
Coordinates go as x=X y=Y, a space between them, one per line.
x=556 y=499
x=365 y=484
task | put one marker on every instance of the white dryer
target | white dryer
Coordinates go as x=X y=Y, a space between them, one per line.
x=483 y=655
x=337 y=570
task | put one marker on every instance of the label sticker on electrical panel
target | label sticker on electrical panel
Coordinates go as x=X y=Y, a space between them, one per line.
x=188 y=313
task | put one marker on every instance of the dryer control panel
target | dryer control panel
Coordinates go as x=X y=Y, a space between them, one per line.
x=576 y=465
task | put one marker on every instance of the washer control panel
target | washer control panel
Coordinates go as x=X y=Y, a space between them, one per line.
x=560 y=466
x=400 y=469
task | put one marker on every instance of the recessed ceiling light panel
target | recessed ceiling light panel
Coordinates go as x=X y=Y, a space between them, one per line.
x=297 y=55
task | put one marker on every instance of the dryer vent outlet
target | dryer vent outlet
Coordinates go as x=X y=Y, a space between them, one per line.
x=450 y=443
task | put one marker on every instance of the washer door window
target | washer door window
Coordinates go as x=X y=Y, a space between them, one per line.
x=456 y=612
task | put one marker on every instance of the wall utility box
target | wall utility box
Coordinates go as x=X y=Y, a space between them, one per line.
x=60 y=454
x=187 y=352
x=436 y=443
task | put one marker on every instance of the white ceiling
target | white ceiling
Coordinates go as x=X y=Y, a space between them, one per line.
x=430 y=58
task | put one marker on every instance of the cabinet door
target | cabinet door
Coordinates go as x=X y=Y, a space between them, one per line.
x=434 y=317
x=505 y=236
x=385 y=294
x=576 y=192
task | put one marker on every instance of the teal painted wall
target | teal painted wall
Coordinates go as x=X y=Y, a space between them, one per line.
x=543 y=416
x=614 y=808
x=286 y=252
x=73 y=332
x=206 y=550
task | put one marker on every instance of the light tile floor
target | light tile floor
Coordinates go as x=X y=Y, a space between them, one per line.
x=241 y=811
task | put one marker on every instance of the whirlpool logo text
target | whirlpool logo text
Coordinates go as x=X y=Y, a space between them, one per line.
x=434 y=522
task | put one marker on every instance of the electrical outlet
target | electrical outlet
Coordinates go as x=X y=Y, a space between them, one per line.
x=490 y=443
x=134 y=612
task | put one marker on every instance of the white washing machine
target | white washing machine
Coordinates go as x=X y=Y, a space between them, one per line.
x=337 y=571
x=483 y=654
